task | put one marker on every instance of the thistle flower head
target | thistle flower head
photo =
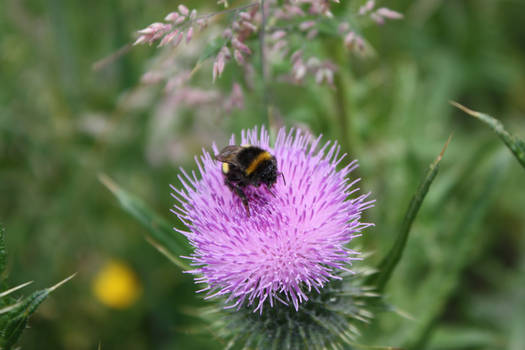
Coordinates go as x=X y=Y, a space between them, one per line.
x=292 y=244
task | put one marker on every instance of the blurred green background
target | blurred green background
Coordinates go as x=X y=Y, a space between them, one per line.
x=462 y=278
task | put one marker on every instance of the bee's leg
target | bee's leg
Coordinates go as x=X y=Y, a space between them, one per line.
x=282 y=175
x=239 y=192
x=269 y=189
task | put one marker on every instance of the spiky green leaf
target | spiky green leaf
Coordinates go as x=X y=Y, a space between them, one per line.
x=14 y=289
x=18 y=315
x=9 y=308
x=516 y=146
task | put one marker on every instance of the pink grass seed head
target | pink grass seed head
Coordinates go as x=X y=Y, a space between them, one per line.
x=292 y=243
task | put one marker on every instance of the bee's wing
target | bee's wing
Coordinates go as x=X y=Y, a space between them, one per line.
x=229 y=155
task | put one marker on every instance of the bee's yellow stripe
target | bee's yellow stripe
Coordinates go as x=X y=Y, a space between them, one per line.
x=258 y=160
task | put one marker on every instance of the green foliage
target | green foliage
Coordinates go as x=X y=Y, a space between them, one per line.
x=15 y=313
x=161 y=236
x=463 y=337
x=392 y=258
x=447 y=274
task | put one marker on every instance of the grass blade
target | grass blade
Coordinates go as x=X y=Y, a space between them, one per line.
x=516 y=146
x=388 y=264
x=161 y=234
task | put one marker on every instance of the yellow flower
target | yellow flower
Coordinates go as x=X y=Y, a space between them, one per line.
x=116 y=285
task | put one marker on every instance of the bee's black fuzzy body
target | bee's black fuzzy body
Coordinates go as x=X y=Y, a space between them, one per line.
x=247 y=165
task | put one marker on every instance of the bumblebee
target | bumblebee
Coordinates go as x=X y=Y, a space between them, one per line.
x=247 y=165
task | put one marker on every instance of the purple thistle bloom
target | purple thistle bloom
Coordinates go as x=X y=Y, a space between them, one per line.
x=292 y=243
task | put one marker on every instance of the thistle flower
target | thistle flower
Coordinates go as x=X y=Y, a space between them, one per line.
x=293 y=244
